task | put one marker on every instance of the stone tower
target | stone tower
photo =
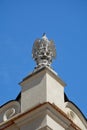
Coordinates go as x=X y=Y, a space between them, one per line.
x=42 y=103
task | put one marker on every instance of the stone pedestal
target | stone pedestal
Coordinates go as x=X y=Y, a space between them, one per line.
x=42 y=86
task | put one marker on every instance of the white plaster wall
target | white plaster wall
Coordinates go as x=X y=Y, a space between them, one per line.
x=33 y=92
x=34 y=124
x=53 y=125
x=55 y=92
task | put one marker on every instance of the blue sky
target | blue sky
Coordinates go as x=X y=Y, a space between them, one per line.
x=64 y=21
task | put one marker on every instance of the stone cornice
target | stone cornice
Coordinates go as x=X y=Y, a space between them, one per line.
x=45 y=106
